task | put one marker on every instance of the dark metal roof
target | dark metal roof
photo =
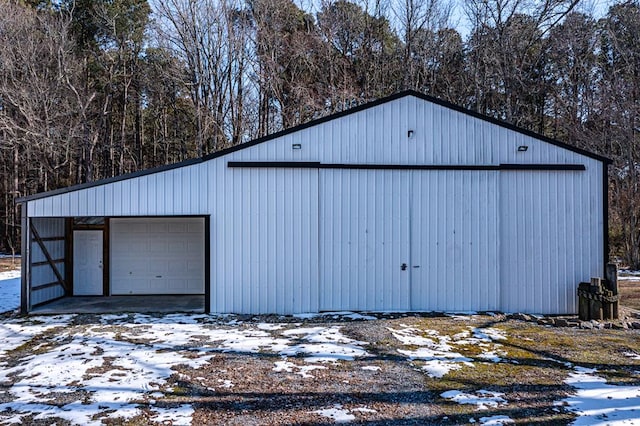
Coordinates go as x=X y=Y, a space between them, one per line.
x=314 y=123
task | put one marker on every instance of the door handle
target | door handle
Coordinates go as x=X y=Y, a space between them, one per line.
x=416 y=266
x=403 y=266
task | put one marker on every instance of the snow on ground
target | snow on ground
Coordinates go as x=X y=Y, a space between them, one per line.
x=9 y=291
x=599 y=403
x=14 y=333
x=104 y=373
x=341 y=415
x=628 y=272
x=633 y=356
x=436 y=352
x=322 y=344
x=371 y=368
x=495 y=420
x=483 y=399
x=303 y=370
x=628 y=275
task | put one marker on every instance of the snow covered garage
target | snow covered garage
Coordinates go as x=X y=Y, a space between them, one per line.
x=406 y=203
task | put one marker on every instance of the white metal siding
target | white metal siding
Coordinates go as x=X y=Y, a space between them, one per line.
x=455 y=240
x=364 y=240
x=157 y=256
x=551 y=237
x=182 y=191
x=265 y=241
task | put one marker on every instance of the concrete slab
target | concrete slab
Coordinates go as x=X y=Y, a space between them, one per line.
x=120 y=304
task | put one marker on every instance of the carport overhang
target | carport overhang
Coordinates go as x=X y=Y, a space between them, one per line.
x=59 y=267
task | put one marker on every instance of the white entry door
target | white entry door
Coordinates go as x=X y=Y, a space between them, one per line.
x=87 y=263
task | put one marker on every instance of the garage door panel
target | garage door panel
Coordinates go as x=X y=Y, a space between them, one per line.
x=157 y=256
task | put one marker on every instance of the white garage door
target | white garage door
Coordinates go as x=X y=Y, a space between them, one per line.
x=157 y=256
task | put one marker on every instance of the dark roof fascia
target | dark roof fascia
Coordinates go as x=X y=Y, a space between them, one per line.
x=108 y=180
x=315 y=122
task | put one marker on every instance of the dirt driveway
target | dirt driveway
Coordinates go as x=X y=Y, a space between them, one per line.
x=343 y=367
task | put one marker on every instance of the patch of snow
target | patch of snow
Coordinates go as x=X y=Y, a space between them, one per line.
x=495 y=420
x=634 y=356
x=435 y=351
x=326 y=344
x=489 y=334
x=483 y=399
x=364 y=410
x=9 y=291
x=243 y=340
x=629 y=278
x=226 y=383
x=180 y=415
x=371 y=368
x=337 y=413
x=491 y=356
x=599 y=403
x=267 y=326
x=284 y=366
x=303 y=370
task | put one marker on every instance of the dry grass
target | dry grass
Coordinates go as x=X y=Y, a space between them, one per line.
x=630 y=293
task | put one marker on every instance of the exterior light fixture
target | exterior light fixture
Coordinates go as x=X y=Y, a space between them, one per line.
x=410 y=134
x=523 y=148
x=296 y=146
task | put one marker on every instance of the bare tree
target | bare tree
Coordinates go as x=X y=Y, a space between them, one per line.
x=419 y=23
x=40 y=114
x=618 y=122
x=203 y=35
x=508 y=56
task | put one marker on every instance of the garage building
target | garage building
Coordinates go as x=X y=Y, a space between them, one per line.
x=405 y=203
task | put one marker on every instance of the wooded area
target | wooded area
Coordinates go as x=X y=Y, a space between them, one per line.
x=95 y=88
